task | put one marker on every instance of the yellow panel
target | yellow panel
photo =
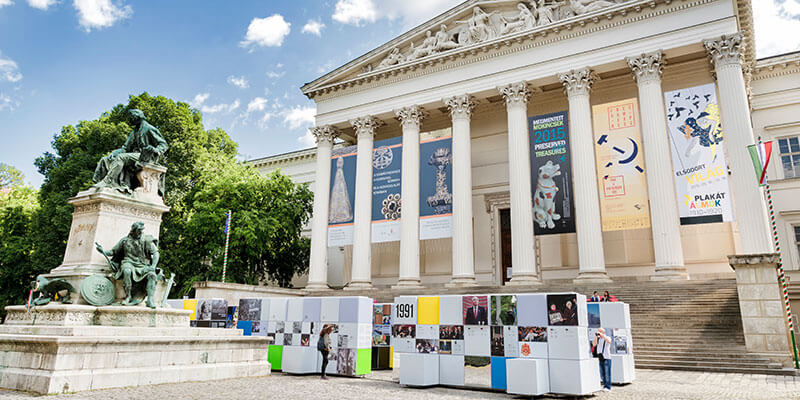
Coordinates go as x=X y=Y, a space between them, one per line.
x=428 y=310
x=391 y=356
x=190 y=305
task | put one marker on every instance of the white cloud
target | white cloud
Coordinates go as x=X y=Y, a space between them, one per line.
x=313 y=27
x=773 y=20
x=307 y=140
x=411 y=12
x=4 y=3
x=9 y=71
x=199 y=99
x=7 y=103
x=199 y=102
x=257 y=104
x=268 y=31
x=42 y=4
x=238 y=81
x=300 y=116
x=275 y=75
x=100 y=13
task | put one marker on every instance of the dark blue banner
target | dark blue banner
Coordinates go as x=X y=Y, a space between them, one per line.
x=387 y=161
x=436 y=188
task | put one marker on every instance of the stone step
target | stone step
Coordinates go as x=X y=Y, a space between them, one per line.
x=706 y=358
x=729 y=368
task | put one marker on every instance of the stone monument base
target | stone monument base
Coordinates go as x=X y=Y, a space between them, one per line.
x=70 y=348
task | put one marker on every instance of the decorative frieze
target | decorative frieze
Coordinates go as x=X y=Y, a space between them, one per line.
x=366 y=126
x=412 y=115
x=326 y=133
x=460 y=106
x=647 y=67
x=516 y=93
x=726 y=50
x=578 y=82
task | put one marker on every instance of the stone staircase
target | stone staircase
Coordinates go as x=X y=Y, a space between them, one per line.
x=690 y=325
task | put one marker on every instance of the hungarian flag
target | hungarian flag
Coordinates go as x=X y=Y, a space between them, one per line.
x=760 y=154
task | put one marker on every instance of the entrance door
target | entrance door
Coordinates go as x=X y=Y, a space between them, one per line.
x=505 y=243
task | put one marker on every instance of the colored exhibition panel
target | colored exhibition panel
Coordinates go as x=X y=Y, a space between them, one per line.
x=381 y=335
x=294 y=324
x=507 y=342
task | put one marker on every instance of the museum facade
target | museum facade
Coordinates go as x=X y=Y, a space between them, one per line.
x=508 y=142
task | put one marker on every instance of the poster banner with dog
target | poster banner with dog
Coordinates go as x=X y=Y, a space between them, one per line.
x=343 y=193
x=387 y=156
x=698 y=155
x=551 y=174
x=436 y=185
x=622 y=183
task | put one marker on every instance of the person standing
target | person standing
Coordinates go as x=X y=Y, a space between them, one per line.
x=324 y=347
x=595 y=297
x=602 y=343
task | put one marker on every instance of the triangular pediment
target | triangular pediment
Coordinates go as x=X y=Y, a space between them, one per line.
x=463 y=29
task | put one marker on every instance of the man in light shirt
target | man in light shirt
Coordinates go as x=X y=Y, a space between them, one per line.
x=603 y=345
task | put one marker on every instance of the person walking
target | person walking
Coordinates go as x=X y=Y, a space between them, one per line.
x=602 y=344
x=324 y=347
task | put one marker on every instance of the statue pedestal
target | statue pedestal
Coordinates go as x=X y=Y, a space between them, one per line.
x=105 y=216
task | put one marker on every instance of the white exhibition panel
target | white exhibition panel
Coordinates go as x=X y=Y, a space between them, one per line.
x=364 y=337
x=403 y=345
x=532 y=310
x=332 y=367
x=294 y=309
x=265 y=305
x=330 y=309
x=405 y=310
x=583 y=319
x=510 y=341
x=615 y=315
x=575 y=377
x=476 y=340
x=311 y=309
x=622 y=368
x=451 y=370
x=568 y=342
x=528 y=376
x=300 y=360
x=428 y=332
x=535 y=350
x=450 y=308
x=277 y=309
x=419 y=369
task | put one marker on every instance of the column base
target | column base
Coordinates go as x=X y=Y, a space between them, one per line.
x=317 y=287
x=461 y=281
x=408 y=284
x=524 y=280
x=670 y=273
x=592 y=277
x=353 y=286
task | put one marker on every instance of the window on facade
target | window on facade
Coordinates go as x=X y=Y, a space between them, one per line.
x=789 y=149
x=797 y=237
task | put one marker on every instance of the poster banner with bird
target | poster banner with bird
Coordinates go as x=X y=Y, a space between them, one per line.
x=620 y=166
x=698 y=155
x=343 y=193
x=387 y=158
x=551 y=174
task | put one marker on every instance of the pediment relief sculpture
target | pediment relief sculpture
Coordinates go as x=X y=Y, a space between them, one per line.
x=482 y=26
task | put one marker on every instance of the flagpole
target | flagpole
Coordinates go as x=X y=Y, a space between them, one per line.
x=227 y=241
x=781 y=273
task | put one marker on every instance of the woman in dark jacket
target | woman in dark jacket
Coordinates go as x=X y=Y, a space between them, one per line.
x=324 y=347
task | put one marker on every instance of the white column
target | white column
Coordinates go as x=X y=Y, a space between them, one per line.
x=523 y=257
x=664 y=219
x=318 y=261
x=591 y=259
x=410 y=120
x=463 y=257
x=750 y=210
x=361 y=275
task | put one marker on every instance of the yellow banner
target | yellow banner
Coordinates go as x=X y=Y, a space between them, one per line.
x=620 y=166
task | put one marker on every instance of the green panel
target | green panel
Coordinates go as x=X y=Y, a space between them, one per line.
x=275 y=356
x=364 y=361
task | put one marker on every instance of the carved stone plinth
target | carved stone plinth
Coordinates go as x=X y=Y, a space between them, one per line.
x=82 y=315
x=105 y=216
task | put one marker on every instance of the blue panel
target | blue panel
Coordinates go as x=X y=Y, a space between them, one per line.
x=348 y=309
x=245 y=326
x=532 y=310
x=499 y=373
x=312 y=308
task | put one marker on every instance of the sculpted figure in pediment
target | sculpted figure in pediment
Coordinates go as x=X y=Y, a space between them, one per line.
x=478 y=28
x=546 y=11
x=522 y=21
x=585 y=6
x=393 y=58
x=444 y=40
x=427 y=47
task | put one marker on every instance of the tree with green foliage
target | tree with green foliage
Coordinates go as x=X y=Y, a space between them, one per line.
x=201 y=164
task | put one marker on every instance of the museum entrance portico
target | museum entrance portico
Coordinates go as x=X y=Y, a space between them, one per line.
x=564 y=122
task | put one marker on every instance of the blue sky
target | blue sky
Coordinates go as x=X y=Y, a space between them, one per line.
x=240 y=62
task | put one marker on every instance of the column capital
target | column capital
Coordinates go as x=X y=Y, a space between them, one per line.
x=578 y=82
x=460 y=106
x=515 y=93
x=647 y=66
x=366 y=126
x=411 y=115
x=726 y=50
x=325 y=133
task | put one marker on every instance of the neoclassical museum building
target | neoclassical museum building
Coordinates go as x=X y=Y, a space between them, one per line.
x=508 y=142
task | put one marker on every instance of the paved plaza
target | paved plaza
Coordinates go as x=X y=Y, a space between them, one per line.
x=650 y=385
